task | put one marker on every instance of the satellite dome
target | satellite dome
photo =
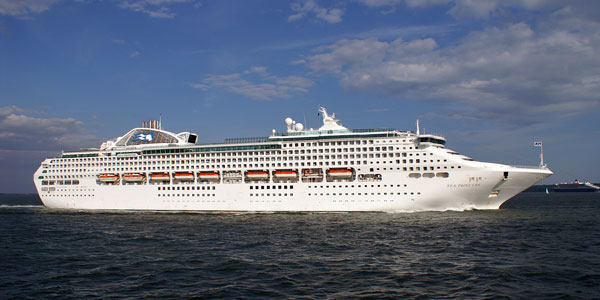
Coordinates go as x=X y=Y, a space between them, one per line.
x=299 y=127
x=288 y=121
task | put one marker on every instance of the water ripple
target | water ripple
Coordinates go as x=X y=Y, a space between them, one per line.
x=534 y=247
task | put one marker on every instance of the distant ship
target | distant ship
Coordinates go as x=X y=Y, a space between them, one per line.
x=575 y=187
x=332 y=168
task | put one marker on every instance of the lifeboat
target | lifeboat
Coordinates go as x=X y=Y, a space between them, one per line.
x=134 y=177
x=108 y=177
x=187 y=176
x=286 y=174
x=340 y=173
x=208 y=176
x=309 y=173
x=257 y=175
x=160 y=177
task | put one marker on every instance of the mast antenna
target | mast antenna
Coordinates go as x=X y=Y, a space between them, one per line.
x=305 y=124
x=541 y=145
x=160 y=121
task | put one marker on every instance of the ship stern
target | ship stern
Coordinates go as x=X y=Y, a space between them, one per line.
x=38 y=177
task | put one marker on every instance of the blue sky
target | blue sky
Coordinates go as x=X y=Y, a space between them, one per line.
x=491 y=76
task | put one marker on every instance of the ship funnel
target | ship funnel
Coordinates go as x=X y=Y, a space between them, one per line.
x=152 y=124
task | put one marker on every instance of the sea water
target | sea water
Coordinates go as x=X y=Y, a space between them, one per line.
x=536 y=246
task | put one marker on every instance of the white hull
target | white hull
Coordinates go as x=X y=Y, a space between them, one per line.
x=462 y=191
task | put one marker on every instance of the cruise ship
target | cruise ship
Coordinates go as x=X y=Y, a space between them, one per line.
x=331 y=168
x=575 y=187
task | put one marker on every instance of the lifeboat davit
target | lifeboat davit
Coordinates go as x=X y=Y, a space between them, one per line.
x=160 y=177
x=340 y=173
x=108 y=177
x=187 y=176
x=208 y=176
x=134 y=177
x=286 y=174
x=257 y=175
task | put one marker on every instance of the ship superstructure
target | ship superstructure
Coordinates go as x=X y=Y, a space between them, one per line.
x=332 y=168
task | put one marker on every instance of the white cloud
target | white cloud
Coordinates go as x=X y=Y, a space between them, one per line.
x=480 y=8
x=21 y=131
x=7 y=110
x=409 y=3
x=134 y=54
x=298 y=62
x=24 y=7
x=473 y=8
x=329 y=15
x=294 y=81
x=486 y=8
x=153 y=8
x=256 y=83
x=511 y=74
x=258 y=70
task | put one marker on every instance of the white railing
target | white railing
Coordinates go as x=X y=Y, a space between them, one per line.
x=530 y=167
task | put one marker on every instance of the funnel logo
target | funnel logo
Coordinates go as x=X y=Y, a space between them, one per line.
x=144 y=137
